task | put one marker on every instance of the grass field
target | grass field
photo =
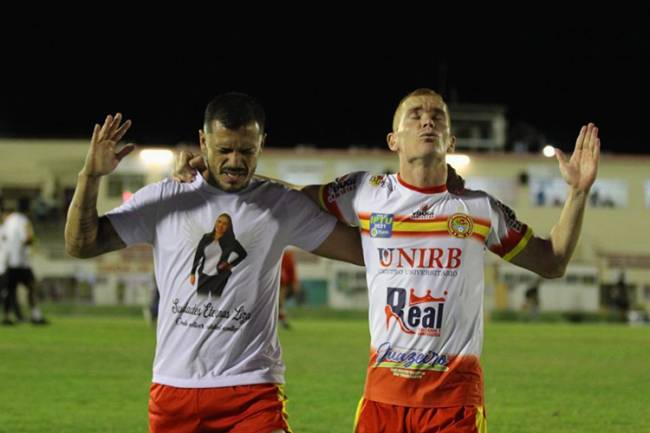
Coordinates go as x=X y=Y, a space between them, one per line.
x=86 y=374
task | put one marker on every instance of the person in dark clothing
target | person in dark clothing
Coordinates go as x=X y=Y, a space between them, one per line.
x=531 y=302
x=221 y=243
x=620 y=297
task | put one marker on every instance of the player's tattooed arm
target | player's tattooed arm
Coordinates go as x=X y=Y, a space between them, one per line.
x=86 y=234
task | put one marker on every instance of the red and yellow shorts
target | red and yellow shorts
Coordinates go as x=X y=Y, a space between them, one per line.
x=375 y=417
x=233 y=409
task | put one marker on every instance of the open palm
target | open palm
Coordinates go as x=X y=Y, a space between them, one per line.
x=102 y=157
x=580 y=170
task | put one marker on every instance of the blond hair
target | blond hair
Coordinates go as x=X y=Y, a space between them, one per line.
x=417 y=92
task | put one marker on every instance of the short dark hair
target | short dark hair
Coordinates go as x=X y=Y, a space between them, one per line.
x=234 y=110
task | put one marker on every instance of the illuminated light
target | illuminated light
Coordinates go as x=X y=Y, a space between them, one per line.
x=458 y=161
x=157 y=157
x=548 y=151
x=126 y=196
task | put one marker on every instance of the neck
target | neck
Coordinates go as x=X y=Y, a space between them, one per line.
x=423 y=173
x=207 y=176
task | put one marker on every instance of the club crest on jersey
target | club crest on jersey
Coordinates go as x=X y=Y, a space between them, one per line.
x=460 y=225
x=381 y=225
x=421 y=315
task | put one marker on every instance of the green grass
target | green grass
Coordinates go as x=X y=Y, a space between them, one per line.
x=91 y=374
x=77 y=374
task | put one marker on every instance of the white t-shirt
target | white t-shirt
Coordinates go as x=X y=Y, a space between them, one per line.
x=205 y=340
x=3 y=249
x=424 y=254
x=17 y=231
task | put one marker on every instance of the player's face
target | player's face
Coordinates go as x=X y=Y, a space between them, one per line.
x=423 y=128
x=231 y=155
x=221 y=225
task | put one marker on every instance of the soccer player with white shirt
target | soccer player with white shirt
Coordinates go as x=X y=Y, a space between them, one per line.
x=218 y=361
x=3 y=267
x=424 y=250
x=19 y=236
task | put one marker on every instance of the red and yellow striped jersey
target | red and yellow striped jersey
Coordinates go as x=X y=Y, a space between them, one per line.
x=424 y=252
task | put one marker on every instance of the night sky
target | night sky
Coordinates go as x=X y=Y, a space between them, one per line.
x=333 y=86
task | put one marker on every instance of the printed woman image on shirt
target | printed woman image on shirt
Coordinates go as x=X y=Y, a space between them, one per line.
x=216 y=255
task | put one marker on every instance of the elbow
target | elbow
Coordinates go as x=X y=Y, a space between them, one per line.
x=73 y=251
x=554 y=270
x=553 y=274
x=72 y=248
x=77 y=251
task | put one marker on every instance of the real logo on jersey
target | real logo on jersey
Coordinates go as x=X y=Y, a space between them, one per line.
x=421 y=315
x=381 y=225
x=460 y=225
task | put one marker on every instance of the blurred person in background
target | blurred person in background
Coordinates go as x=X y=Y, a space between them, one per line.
x=289 y=285
x=3 y=267
x=19 y=238
x=150 y=311
x=620 y=297
x=531 y=299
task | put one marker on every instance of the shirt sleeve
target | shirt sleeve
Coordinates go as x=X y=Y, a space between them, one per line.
x=308 y=225
x=507 y=236
x=338 y=197
x=135 y=220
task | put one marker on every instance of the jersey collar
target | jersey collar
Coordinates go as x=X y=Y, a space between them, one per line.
x=428 y=190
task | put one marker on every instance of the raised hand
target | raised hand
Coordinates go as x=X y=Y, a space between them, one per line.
x=103 y=156
x=187 y=164
x=580 y=170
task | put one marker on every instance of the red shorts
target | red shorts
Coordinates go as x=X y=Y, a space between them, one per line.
x=232 y=409
x=375 y=417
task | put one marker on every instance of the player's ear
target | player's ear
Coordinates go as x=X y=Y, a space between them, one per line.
x=391 y=140
x=202 y=141
x=452 y=144
x=262 y=142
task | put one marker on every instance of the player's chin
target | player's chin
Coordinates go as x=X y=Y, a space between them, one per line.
x=433 y=147
x=233 y=185
x=429 y=142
